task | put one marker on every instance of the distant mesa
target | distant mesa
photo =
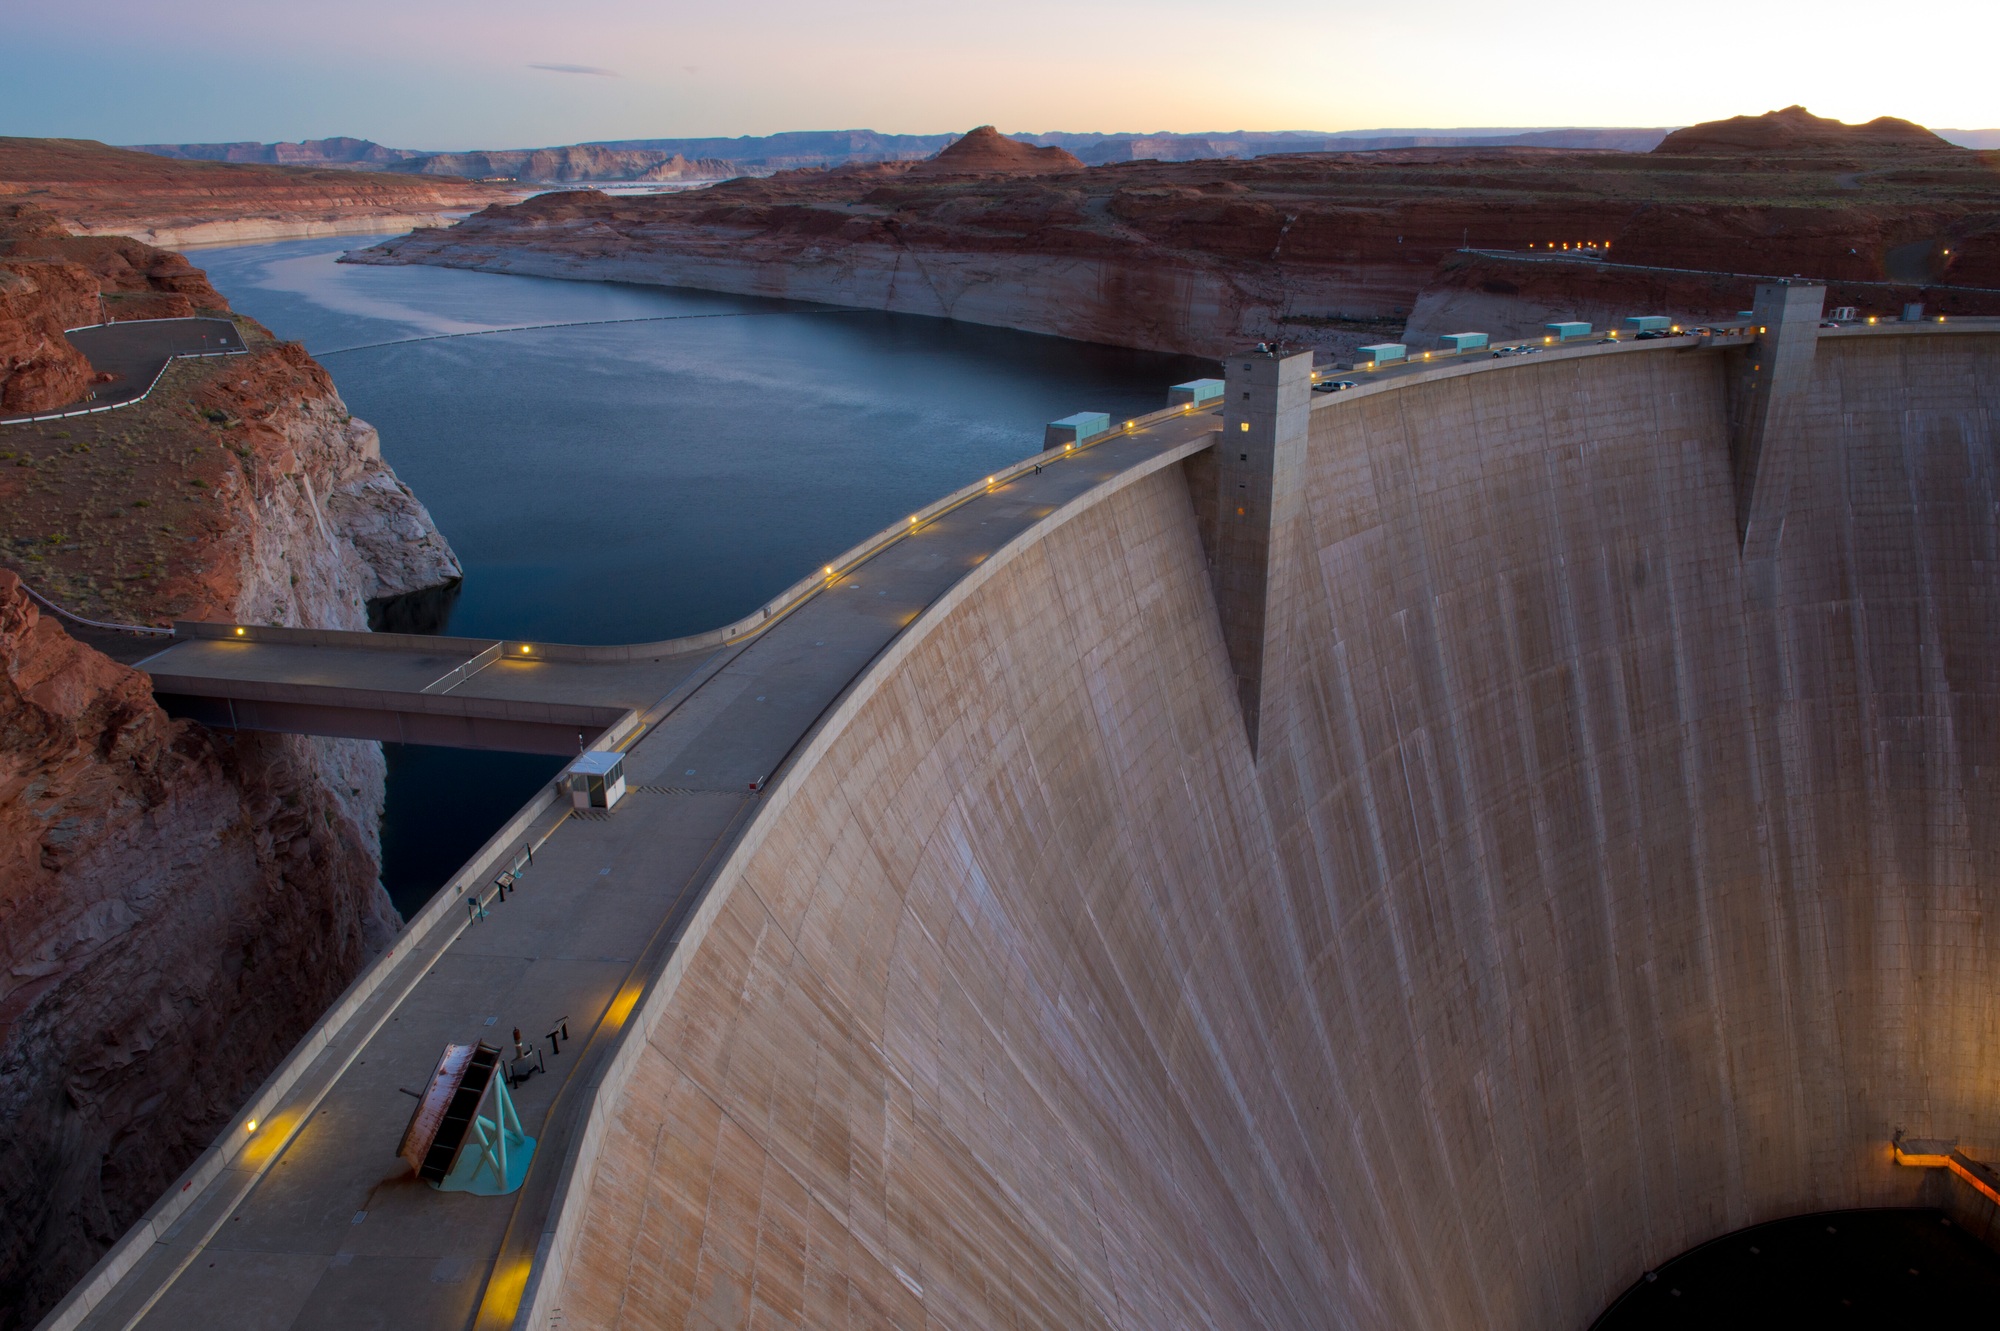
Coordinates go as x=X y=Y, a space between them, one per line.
x=1796 y=129
x=575 y=164
x=345 y=152
x=987 y=152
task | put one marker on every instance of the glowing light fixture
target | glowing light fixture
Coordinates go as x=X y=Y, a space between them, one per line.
x=251 y=1126
x=525 y=649
x=239 y=627
x=829 y=570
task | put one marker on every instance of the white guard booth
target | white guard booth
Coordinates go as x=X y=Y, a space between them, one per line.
x=596 y=779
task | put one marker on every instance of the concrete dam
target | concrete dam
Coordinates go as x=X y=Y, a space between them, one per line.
x=1420 y=856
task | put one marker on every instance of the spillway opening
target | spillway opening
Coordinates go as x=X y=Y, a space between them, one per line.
x=1874 y=1269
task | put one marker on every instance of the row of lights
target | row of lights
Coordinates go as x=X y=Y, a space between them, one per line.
x=1584 y=245
x=243 y=632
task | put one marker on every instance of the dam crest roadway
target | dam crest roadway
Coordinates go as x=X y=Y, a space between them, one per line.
x=301 y=1216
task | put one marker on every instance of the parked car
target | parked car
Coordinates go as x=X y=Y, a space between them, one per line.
x=1334 y=385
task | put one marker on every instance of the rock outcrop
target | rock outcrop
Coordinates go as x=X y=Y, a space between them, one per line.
x=100 y=190
x=176 y=906
x=1796 y=129
x=1327 y=249
x=985 y=151
x=178 y=909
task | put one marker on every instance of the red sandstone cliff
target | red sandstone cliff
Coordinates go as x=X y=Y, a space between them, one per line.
x=103 y=190
x=1332 y=249
x=176 y=906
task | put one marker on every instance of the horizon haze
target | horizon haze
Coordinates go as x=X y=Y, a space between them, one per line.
x=440 y=75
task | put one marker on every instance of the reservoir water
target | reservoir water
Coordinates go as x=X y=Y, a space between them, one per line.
x=627 y=481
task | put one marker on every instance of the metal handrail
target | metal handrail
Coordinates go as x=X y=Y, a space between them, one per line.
x=147 y=629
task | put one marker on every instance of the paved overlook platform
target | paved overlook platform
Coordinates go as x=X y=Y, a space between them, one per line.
x=1421 y=856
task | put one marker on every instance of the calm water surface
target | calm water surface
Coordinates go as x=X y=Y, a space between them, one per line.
x=622 y=482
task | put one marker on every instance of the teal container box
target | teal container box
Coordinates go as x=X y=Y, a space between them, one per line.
x=1382 y=353
x=1647 y=323
x=1075 y=429
x=1568 y=331
x=1194 y=392
x=1457 y=342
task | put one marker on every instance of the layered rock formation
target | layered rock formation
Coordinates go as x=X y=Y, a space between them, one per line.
x=1327 y=249
x=176 y=906
x=340 y=151
x=101 y=190
x=582 y=162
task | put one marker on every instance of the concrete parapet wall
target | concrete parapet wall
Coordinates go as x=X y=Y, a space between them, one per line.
x=1584 y=901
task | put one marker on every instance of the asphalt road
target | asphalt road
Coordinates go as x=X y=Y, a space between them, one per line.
x=136 y=352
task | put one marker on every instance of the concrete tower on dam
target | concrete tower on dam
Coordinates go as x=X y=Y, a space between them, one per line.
x=1418 y=857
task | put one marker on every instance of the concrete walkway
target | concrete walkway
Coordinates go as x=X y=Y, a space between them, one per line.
x=316 y=1223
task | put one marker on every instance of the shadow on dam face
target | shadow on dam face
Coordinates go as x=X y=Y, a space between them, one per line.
x=1593 y=892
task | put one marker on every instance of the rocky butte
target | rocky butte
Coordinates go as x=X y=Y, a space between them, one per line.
x=177 y=906
x=1325 y=249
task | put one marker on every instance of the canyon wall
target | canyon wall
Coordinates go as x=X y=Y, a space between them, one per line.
x=1090 y=299
x=1592 y=894
x=177 y=906
x=104 y=191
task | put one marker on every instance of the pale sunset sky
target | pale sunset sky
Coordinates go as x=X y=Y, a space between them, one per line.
x=440 y=74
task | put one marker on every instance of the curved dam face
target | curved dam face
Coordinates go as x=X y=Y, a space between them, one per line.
x=1592 y=890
